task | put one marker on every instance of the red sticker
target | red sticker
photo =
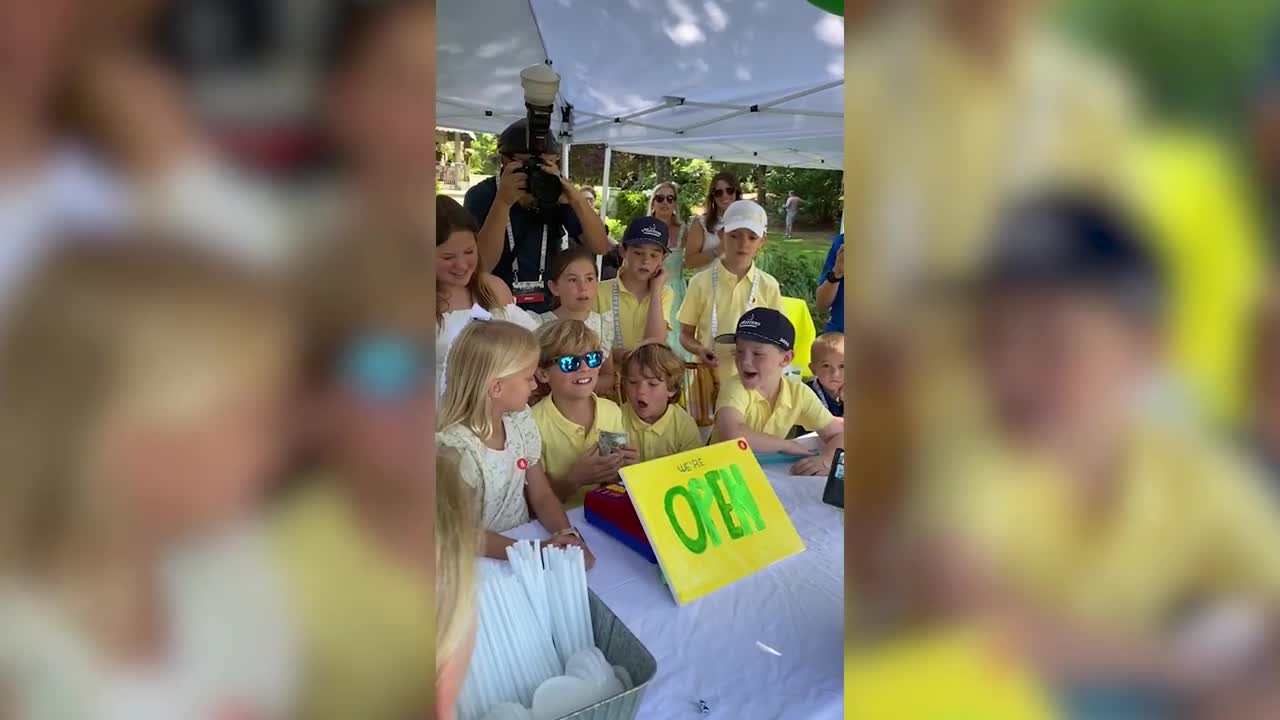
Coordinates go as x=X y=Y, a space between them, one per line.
x=742 y=444
x=522 y=464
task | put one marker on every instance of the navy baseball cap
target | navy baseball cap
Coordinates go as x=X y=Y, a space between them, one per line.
x=647 y=231
x=764 y=325
x=1069 y=241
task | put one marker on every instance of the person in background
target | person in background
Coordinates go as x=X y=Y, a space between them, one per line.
x=827 y=365
x=759 y=404
x=791 y=208
x=349 y=533
x=456 y=587
x=1057 y=521
x=378 y=109
x=730 y=287
x=702 y=241
x=144 y=389
x=571 y=418
x=517 y=239
x=664 y=204
x=576 y=289
x=50 y=187
x=1265 y=127
x=653 y=377
x=629 y=298
x=485 y=420
x=589 y=194
x=830 y=293
x=464 y=291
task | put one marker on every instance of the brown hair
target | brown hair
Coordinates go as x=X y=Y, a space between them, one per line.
x=713 y=212
x=561 y=262
x=655 y=359
x=357 y=26
x=452 y=218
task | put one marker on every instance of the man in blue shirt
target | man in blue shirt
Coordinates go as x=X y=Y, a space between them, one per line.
x=831 y=287
x=517 y=239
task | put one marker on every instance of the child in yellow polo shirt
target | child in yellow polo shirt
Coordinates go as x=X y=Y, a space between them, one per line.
x=1080 y=517
x=762 y=406
x=733 y=284
x=572 y=416
x=629 y=298
x=652 y=375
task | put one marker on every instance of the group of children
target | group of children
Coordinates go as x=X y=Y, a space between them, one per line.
x=541 y=459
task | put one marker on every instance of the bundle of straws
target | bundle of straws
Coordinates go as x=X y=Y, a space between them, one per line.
x=533 y=616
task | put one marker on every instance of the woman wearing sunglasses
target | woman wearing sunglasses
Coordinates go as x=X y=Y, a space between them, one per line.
x=702 y=245
x=665 y=206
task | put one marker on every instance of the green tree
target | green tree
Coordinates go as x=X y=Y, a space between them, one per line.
x=819 y=189
x=482 y=157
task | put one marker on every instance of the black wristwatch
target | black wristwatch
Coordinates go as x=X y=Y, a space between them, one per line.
x=831 y=278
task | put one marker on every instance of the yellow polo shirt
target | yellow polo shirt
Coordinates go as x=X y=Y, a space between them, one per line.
x=733 y=299
x=564 y=442
x=796 y=405
x=368 y=653
x=674 y=432
x=1188 y=518
x=632 y=311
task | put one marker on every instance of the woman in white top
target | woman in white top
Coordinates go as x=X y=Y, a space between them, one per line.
x=701 y=244
x=463 y=291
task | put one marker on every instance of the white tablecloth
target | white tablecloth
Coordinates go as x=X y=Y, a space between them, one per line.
x=707 y=650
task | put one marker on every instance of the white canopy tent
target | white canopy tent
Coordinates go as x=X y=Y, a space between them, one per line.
x=750 y=81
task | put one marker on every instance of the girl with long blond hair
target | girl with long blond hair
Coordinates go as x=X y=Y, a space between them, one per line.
x=664 y=204
x=455 y=586
x=143 y=387
x=485 y=418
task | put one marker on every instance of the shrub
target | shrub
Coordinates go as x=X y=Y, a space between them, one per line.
x=631 y=204
x=797 y=269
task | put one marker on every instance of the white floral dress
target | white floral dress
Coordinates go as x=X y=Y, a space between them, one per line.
x=498 y=477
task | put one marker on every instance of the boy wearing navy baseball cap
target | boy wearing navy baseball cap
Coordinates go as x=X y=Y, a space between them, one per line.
x=759 y=404
x=1068 y=502
x=639 y=299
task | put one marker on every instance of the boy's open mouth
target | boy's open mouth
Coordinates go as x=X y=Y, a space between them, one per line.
x=584 y=381
x=750 y=374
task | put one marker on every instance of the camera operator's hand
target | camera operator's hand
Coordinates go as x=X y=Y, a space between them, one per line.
x=569 y=194
x=513 y=184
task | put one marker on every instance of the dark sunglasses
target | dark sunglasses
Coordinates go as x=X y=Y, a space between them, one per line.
x=571 y=363
x=664 y=198
x=721 y=192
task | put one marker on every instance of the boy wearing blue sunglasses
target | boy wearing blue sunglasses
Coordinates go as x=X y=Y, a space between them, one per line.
x=571 y=418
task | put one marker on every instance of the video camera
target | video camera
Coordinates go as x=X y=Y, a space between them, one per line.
x=541 y=84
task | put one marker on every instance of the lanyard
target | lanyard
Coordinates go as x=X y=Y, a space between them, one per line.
x=617 y=322
x=515 y=259
x=715 y=297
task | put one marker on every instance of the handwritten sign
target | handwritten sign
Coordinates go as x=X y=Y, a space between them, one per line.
x=711 y=517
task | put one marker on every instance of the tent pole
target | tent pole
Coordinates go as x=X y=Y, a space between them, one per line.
x=604 y=202
x=564 y=159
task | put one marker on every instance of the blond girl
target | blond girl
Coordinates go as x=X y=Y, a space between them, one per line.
x=141 y=388
x=455 y=586
x=485 y=418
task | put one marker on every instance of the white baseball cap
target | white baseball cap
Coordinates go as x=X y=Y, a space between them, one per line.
x=745 y=214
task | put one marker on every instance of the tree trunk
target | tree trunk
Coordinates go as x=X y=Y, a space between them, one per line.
x=761 y=192
x=662 y=168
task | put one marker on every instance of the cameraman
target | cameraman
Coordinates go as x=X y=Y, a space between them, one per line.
x=516 y=237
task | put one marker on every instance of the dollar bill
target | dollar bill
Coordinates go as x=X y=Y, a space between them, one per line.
x=611 y=442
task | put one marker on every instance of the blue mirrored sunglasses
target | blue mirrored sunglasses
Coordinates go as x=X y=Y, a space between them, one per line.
x=571 y=363
x=384 y=368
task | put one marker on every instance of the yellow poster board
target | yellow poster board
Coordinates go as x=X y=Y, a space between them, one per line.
x=966 y=675
x=711 y=516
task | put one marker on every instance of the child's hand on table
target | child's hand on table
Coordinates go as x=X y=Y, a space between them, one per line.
x=564 y=541
x=816 y=465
